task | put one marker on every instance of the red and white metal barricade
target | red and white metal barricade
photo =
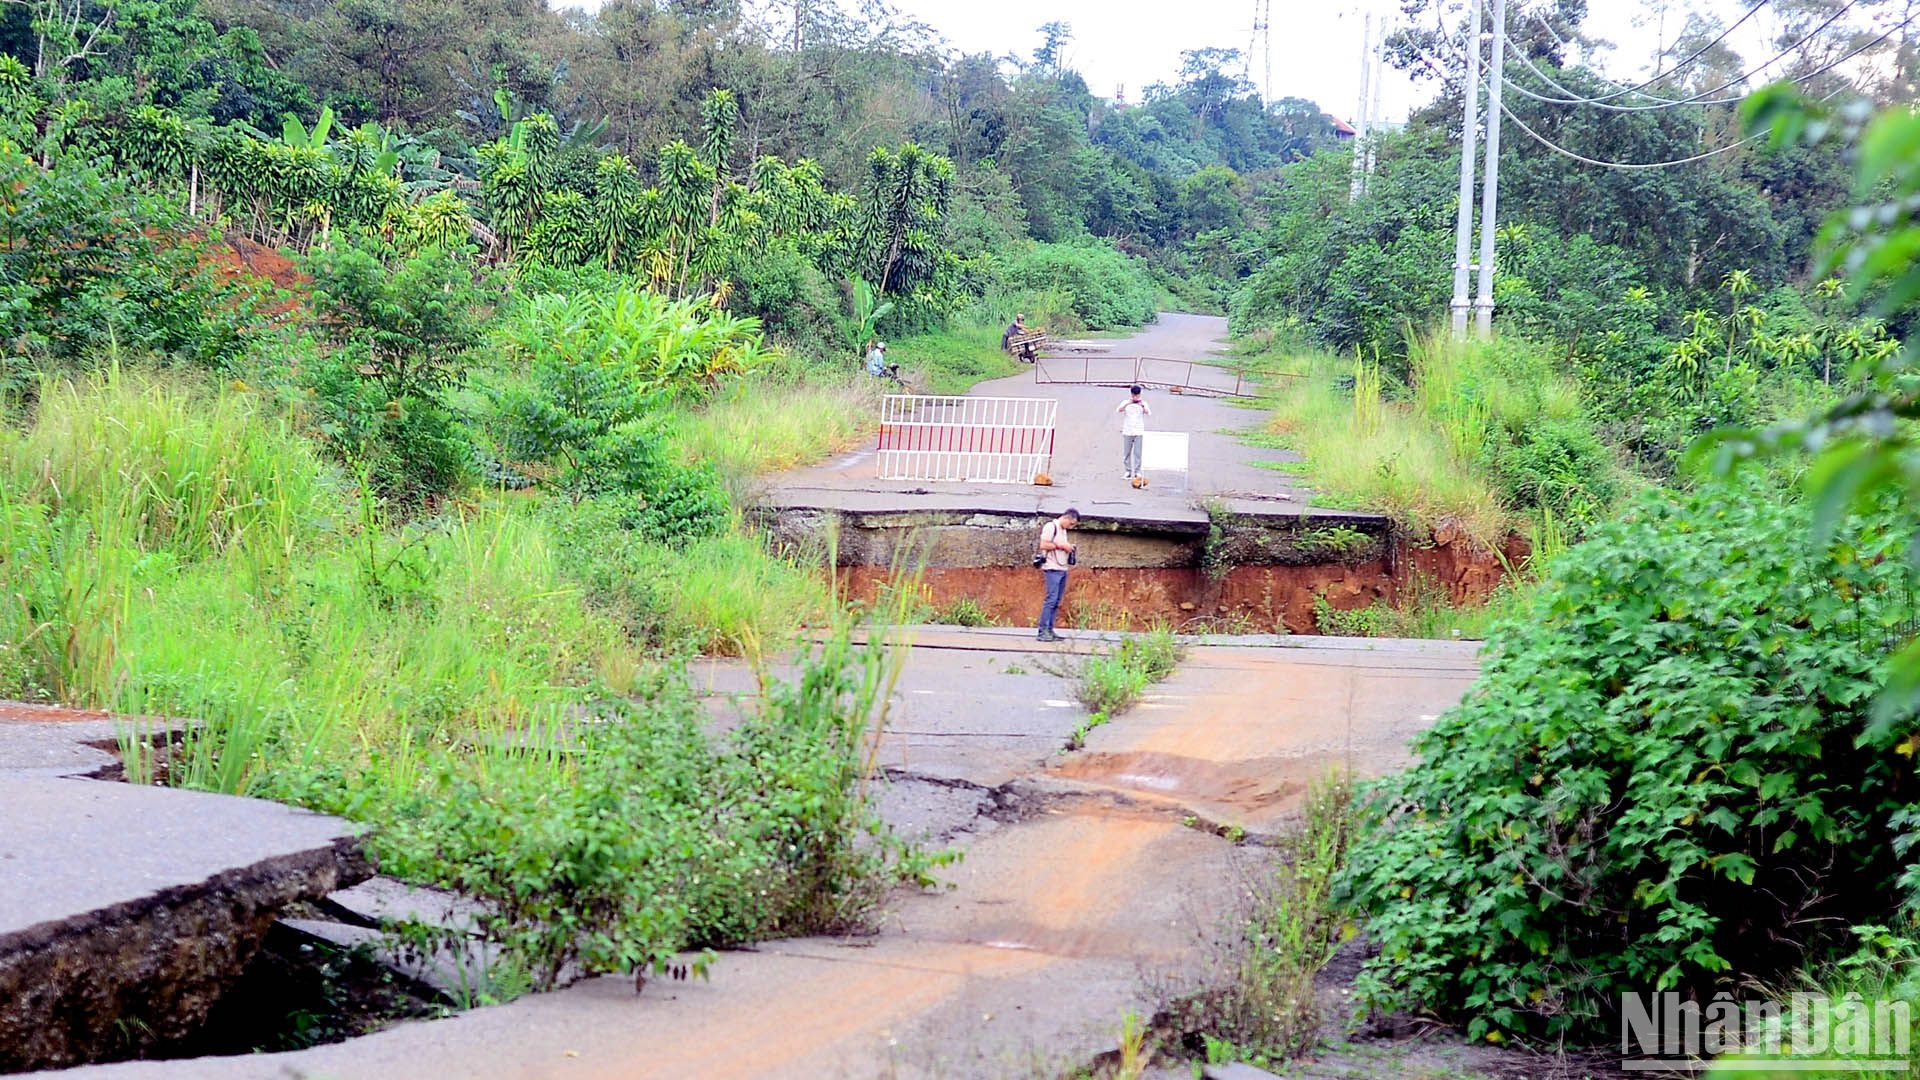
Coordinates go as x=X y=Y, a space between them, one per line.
x=982 y=440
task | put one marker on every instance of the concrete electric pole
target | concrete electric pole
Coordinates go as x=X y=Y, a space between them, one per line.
x=1463 y=220
x=1360 y=123
x=1490 y=184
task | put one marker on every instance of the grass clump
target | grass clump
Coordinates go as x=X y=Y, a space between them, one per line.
x=963 y=611
x=1111 y=682
x=1421 y=610
x=1261 y=1009
x=765 y=424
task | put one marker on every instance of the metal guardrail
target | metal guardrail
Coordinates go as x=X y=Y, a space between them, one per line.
x=1152 y=372
x=969 y=439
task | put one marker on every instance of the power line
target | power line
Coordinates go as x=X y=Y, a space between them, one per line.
x=1557 y=148
x=1633 y=165
x=1657 y=74
x=1802 y=80
x=1703 y=97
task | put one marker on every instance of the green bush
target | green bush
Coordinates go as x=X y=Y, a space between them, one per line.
x=619 y=843
x=1107 y=289
x=92 y=267
x=1552 y=464
x=681 y=504
x=790 y=296
x=409 y=449
x=1663 y=779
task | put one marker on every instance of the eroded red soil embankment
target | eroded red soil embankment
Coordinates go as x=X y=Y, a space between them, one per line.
x=1255 y=598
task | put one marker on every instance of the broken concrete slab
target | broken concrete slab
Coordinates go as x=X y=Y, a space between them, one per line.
x=49 y=740
x=1235 y=1071
x=126 y=910
x=378 y=901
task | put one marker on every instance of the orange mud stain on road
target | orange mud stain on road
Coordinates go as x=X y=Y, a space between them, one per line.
x=835 y=1003
x=1049 y=898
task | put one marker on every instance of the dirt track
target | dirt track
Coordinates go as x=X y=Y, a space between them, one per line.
x=1085 y=891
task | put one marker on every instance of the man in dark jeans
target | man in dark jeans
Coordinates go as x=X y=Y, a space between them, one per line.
x=1056 y=555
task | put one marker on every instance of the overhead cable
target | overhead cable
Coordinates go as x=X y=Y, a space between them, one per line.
x=1658 y=74
x=1636 y=165
x=1801 y=79
x=1705 y=97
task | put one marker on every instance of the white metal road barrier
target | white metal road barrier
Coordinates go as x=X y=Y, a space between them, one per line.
x=976 y=439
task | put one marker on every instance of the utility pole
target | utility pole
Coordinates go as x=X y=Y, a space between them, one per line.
x=1373 y=116
x=1463 y=221
x=1490 y=186
x=1359 y=184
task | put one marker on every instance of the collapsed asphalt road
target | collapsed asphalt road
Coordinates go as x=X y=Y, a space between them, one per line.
x=1085 y=889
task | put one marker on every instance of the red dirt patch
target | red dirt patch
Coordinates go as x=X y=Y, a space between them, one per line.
x=1264 y=598
x=21 y=712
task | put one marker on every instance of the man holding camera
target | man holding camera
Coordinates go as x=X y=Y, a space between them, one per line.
x=1056 y=554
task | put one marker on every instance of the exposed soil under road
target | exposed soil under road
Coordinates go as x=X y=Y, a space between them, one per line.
x=1090 y=881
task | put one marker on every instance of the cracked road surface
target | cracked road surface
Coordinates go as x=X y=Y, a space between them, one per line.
x=1084 y=891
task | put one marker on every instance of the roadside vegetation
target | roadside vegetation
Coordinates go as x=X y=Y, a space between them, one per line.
x=1112 y=680
x=408 y=457
x=385 y=394
x=1262 y=1006
x=1686 y=764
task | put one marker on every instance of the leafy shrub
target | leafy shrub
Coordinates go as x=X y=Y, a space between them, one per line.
x=406 y=320
x=1663 y=779
x=409 y=449
x=661 y=838
x=645 y=341
x=85 y=271
x=787 y=293
x=1557 y=465
x=401 y=325
x=1107 y=289
x=681 y=504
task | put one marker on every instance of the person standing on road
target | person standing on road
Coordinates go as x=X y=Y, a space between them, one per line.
x=1014 y=330
x=1056 y=554
x=1133 y=431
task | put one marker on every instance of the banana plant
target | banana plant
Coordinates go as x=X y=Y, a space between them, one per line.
x=866 y=313
x=294 y=133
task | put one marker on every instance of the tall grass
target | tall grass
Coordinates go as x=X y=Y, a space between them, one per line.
x=761 y=425
x=164 y=552
x=1365 y=452
x=1451 y=448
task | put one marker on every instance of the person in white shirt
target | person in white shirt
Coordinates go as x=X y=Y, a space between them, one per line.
x=1133 y=429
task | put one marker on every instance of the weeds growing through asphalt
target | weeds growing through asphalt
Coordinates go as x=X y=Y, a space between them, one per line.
x=1263 y=1008
x=1111 y=682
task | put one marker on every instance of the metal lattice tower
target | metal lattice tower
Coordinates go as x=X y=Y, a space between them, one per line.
x=1260 y=44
